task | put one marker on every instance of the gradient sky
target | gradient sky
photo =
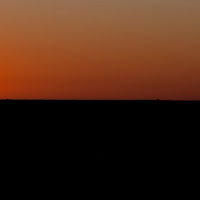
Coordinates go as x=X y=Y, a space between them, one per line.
x=100 y=49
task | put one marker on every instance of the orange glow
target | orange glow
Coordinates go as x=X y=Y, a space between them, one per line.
x=124 y=49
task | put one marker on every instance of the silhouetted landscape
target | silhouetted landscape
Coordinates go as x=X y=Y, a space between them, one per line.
x=99 y=131
x=98 y=143
x=99 y=96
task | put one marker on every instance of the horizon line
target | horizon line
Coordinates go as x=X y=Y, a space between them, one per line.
x=96 y=100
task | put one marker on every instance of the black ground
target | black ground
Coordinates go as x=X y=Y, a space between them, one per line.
x=98 y=135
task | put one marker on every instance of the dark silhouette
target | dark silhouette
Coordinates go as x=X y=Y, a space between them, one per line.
x=100 y=156
x=98 y=137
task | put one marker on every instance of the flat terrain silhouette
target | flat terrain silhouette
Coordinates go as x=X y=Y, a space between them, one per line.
x=99 y=131
x=100 y=142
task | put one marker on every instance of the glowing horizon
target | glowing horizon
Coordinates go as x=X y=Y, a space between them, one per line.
x=108 y=49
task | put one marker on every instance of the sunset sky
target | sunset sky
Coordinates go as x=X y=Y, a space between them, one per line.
x=100 y=49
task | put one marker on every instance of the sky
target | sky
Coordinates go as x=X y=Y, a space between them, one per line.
x=100 y=49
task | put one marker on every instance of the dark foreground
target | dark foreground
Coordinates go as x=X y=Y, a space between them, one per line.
x=98 y=130
x=99 y=139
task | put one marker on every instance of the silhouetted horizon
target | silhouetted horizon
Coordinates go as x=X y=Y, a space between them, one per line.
x=133 y=100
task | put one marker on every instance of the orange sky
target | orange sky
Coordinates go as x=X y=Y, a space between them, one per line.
x=108 y=49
